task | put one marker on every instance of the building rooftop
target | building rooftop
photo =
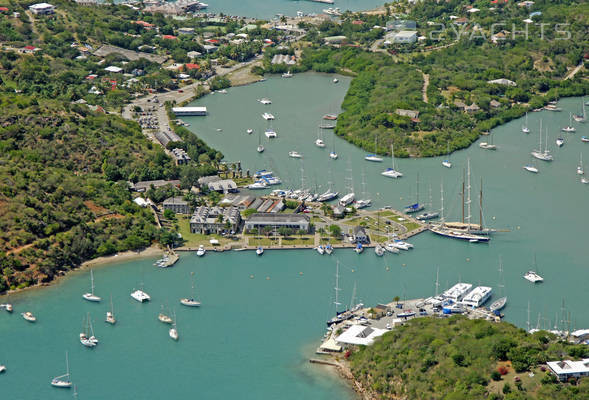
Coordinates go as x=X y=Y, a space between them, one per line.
x=360 y=335
x=569 y=367
x=269 y=217
x=175 y=200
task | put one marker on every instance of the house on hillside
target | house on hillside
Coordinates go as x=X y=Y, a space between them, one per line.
x=42 y=9
x=177 y=204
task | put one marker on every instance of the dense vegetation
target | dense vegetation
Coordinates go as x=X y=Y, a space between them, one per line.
x=459 y=61
x=457 y=358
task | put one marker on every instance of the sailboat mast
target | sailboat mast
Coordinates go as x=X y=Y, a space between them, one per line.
x=302 y=176
x=67 y=365
x=353 y=299
x=437 y=281
x=463 y=178
x=393 y=154
x=442 y=203
x=92 y=281
x=337 y=289
x=501 y=285
x=528 y=316
x=468 y=201
x=481 y=207
x=417 y=197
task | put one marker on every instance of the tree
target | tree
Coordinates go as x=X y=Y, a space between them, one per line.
x=267 y=229
x=169 y=214
x=335 y=231
x=284 y=231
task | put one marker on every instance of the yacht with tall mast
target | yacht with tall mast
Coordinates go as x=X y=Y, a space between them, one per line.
x=163 y=317
x=63 y=381
x=350 y=196
x=333 y=155
x=270 y=132
x=431 y=214
x=338 y=315
x=191 y=302
x=319 y=142
x=570 y=128
x=488 y=145
x=501 y=301
x=540 y=154
x=110 y=315
x=87 y=337
x=260 y=148
x=330 y=194
x=525 y=128
x=392 y=172
x=373 y=157
x=580 y=170
x=364 y=201
x=140 y=295
x=91 y=296
x=174 y=330
x=447 y=163
x=413 y=208
x=533 y=275
x=581 y=117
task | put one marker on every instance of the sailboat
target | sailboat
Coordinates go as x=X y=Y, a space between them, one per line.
x=191 y=302
x=319 y=142
x=373 y=157
x=580 y=170
x=338 y=315
x=260 y=147
x=559 y=141
x=350 y=196
x=500 y=302
x=570 y=128
x=91 y=296
x=446 y=163
x=63 y=381
x=364 y=202
x=488 y=145
x=532 y=275
x=531 y=167
x=525 y=128
x=329 y=194
x=582 y=117
x=173 y=332
x=392 y=172
x=428 y=215
x=110 y=315
x=413 y=208
x=287 y=74
x=87 y=337
x=539 y=154
x=463 y=231
x=163 y=317
x=333 y=155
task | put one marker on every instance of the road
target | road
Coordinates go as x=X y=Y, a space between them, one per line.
x=574 y=71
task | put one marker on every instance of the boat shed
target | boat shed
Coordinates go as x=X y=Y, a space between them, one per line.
x=360 y=335
x=195 y=111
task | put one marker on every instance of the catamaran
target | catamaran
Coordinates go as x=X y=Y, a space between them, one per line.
x=339 y=316
x=392 y=172
x=540 y=154
x=91 y=296
x=110 y=315
x=532 y=275
x=525 y=128
x=446 y=163
x=267 y=116
x=373 y=157
x=570 y=128
x=413 y=208
x=140 y=295
x=190 y=302
x=270 y=132
x=265 y=101
x=63 y=381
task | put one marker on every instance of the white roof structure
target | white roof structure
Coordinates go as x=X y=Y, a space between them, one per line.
x=360 y=335
x=114 y=69
x=457 y=291
x=502 y=81
x=478 y=296
x=41 y=6
x=568 y=367
x=190 y=110
x=330 y=345
x=141 y=202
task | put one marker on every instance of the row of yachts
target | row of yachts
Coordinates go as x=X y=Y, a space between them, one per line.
x=393 y=246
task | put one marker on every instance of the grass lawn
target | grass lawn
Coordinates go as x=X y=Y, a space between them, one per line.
x=262 y=241
x=529 y=383
x=196 y=239
x=292 y=241
x=329 y=239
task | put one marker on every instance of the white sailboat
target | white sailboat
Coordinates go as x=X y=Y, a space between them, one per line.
x=379 y=250
x=294 y=154
x=413 y=208
x=201 y=251
x=270 y=132
x=110 y=315
x=140 y=295
x=260 y=148
x=570 y=128
x=190 y=302
x=333 y=155
x=488 y=145
x=532 y=275
x=364 y=201
x=531 y=168
x=63 y=381
x=163 y=317
x=287 y=74
x=582 y=117
x=580 y=170
x=525 y=128
x=350 y=196
x=87 y=338
x=338 y=315
x=446 y=163
x=540 y=154
x=173 y=332
x=28 y=316
x=319 y=142
x=428 y=214
x=373 y=157
x=500 y=302
x=91 y=296
x=392 y=172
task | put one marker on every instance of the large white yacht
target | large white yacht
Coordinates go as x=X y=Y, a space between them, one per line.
x=140 y=296
x=267 y=116
x=91 y=296
x=533 y=277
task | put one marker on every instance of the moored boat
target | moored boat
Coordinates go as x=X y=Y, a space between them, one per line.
x=259 y=251
x=190 y=302
x=91 y=296
x=201 y=251
x=63 y=381
x=28 y=316
x=379 y=250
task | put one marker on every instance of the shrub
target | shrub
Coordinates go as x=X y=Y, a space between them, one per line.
x=496 y=375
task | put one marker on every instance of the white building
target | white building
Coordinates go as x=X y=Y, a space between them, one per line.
x=478 y=296
x=42 y=9
x=113 y=69
x=190 y=111
x=360 y=335
x=457 y=292
x=569 y=369
x=402 y=37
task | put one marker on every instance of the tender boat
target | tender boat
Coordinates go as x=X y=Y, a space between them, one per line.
x=533 y=277
x=559 y=141
x=359 y=249
x=335 y=80
x=140 y=296
x=320 y=249
x=427 y=215
x=267 y=116
x=295 y=154
x=63 y=381
x=585 y=139
x=373 y=158
x=201 y=251
x=330 y=117
x=259 y=250
x=498 y=304
x=328 y=249
x=91 y=296
x=260 y=148
x=584 y=181
x=7 y=307
x=319 y=143
x=333 y=155
x=531 y=168
x=379 y=250
x=287 y=75
x=447 y=163
x=250 y=131
x=29 y=316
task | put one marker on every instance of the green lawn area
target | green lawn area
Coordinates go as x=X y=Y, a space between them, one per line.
x=295 y=241
x=196 y=239
x=262 y=241
x=410 y=225
x=329 y=239
x=315 y=219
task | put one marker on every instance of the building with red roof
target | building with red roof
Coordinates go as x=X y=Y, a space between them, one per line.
x=191 y=66
x=169 y=37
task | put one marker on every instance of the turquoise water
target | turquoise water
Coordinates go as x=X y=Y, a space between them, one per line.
x=252 y=337
x=269 y=9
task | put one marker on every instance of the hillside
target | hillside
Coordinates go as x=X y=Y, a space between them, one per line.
x=457 y=358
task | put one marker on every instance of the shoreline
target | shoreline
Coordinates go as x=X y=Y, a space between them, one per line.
x=129 y=255
x=345 y=374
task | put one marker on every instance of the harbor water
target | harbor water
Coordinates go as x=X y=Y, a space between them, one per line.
x=262 y=317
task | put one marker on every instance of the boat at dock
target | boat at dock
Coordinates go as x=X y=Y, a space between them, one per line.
x=379 y=250
x=63 y=381
x=328 y=249
x=347 y=199
x=327 y=196
x=413 y=208
x=91 y=296
x=427 y=216
x=28 y=316
x=392 y=172
x=257 y=185
x=499 y=304
x=259 y=251
x=201 y=251
x=320 y=249
x=359 y=248
x=287 y=75
x=190 y=302
x=391 y=248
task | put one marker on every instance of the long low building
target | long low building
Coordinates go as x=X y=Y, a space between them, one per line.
x=293 y=221
x=198 y=111
x=217 y=220
x=569 y=369
x=360 y=335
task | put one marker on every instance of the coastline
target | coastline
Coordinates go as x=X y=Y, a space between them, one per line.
x=344 y=372
x=147 y=252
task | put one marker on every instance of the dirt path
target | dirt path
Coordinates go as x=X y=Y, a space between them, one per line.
x=425 y=86
x=574 y=71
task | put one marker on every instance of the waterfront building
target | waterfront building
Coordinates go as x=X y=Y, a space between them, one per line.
x=223 y=186
x=275 y=220
x=360 y=235
x=199 y=111
x=360 y=335
x=177 y=204
x=42 y=9
x=478 y=296
x=457 y=292
x=208 y=220
x=569 y=369
x=180 y=156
